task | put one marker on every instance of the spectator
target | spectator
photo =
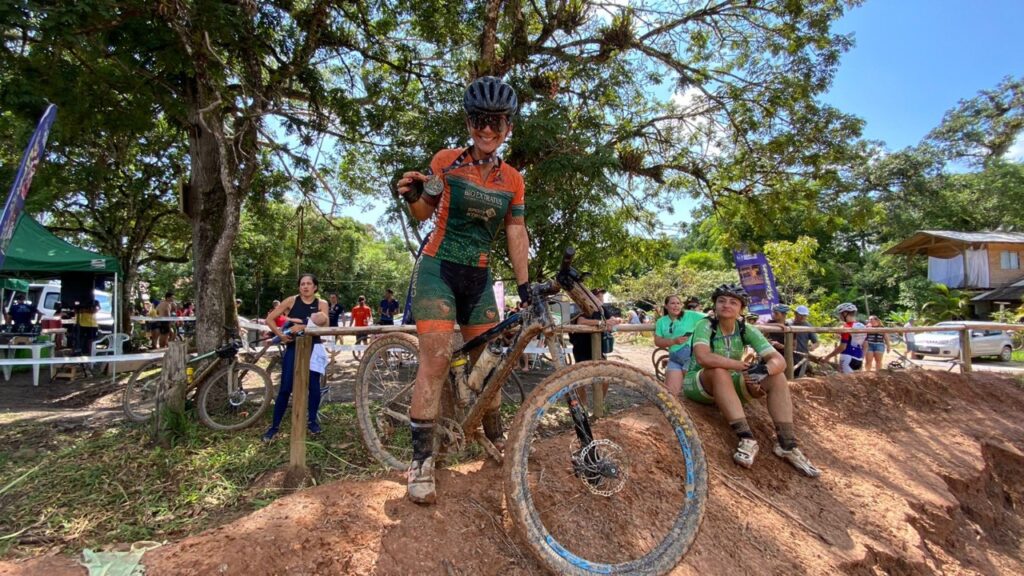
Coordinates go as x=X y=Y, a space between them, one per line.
x=778 y=339
x=803 y=342
x=87 y=325
x=300 y=310
x=908 y=337
x=335 y=310
x=877 y=346
x=673 y=331
x=581 y=341
x=361 y=315
x=22 y=314
x=388 y=308
x=281 y=320
x=152 y=328
x=166 y=308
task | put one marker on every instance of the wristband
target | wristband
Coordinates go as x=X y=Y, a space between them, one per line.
x=524 y=292
x=414 y=194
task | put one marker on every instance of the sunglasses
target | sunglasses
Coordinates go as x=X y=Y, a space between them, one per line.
x=496 y=122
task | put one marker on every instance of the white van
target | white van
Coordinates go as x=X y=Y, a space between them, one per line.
x=45 y=296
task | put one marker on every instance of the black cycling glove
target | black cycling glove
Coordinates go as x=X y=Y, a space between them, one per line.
x=524 y=292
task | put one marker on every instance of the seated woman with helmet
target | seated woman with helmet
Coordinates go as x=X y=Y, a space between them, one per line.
x=718 y=375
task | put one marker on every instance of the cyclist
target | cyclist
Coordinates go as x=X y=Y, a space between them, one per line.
x=850 y=347
x=299 y=310
x=471 y=193
x=718 y=375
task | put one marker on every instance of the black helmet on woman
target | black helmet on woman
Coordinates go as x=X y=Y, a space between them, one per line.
x=734 y=290
x=489 y=95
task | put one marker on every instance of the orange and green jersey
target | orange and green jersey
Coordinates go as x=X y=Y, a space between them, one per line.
x=470 y=211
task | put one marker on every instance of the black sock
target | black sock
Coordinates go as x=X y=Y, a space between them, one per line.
x=422 y=439
x=741 y=428
x=787 y=438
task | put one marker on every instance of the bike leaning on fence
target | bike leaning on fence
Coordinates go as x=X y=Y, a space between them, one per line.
x=623 y=493
x=229 y=394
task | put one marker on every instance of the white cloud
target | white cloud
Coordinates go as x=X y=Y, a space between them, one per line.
x=1016 y=152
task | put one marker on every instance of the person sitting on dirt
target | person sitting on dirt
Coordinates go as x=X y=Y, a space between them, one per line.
x=673 y=331
x=718 y=376
x=302 y=309
x=850 y=348
x=471 y=193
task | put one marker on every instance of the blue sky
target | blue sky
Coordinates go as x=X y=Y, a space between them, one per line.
x=914 y=59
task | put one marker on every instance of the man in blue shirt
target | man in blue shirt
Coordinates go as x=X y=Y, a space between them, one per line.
x=388 y=308
x=22 y=313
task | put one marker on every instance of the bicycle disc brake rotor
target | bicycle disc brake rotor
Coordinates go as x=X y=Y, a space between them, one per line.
x=602 y=466
x=237 y=398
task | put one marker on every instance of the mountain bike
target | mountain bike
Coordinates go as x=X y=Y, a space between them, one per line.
x=659 y=358
x=230 y=395
x=624 y=493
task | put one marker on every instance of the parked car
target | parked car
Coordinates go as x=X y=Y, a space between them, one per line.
x=984 y=342
x=44 y=296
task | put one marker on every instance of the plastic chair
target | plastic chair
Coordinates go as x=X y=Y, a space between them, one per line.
x=113 y=345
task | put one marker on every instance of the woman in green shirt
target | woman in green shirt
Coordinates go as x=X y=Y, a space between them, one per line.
x=673 y=331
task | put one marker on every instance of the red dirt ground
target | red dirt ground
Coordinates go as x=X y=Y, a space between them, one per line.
x=923 y=473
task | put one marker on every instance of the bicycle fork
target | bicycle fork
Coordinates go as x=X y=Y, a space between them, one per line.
x=587 y=462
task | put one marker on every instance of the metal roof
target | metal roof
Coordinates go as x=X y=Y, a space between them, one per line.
x=1011 y=293
x=948 y=243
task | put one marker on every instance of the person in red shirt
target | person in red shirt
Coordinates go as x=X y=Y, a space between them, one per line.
x=361 y=314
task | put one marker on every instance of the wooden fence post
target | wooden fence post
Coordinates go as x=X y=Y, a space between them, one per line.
x=965 y=350
x=598 y=390
x=788 y=342
x=297 y=470
x=175 y=383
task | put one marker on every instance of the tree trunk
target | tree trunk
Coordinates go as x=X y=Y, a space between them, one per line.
x=215 y=213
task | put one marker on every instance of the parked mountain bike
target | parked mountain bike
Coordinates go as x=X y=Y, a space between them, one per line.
x=624 y=493
x=229 y=394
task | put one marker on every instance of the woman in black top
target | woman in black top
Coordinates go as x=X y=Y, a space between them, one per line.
x=302 y=309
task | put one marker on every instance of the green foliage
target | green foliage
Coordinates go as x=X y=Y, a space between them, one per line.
x=703 y=260
x=793 y=264
x=946 y=304
x=668 y=279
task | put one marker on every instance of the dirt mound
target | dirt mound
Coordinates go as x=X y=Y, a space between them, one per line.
x=923 y=473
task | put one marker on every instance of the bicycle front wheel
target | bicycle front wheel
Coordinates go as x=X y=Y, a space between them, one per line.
x=629 y=500
x=139 y=400
x=384 y=383
x=235 y=396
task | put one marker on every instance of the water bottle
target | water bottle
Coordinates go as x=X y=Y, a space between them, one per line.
x=190 y=374
x=484 y=364
x=460 y=372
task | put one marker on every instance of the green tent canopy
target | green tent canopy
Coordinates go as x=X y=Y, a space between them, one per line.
x=16 y=284
x=34 y=249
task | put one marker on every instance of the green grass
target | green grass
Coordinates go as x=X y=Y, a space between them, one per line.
x=1018 y=356
x=69 y=489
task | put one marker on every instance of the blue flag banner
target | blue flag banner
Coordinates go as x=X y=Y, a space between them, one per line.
x=757 y=279
x=23 y=179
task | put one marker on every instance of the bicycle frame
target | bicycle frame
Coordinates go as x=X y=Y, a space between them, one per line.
x=534 y=321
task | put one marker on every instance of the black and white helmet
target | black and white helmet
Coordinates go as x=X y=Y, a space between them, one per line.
x=844 y=308
x=489 y=95
x=734 y=290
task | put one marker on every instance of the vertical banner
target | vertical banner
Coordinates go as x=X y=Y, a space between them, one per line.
x=757 y=279
x=499 y=298
x=23 y=179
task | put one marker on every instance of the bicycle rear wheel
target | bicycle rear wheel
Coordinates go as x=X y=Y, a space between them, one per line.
x=233 y=403
x=660 y=360
x=630 y=501
x=140 y=394
x=384 y=382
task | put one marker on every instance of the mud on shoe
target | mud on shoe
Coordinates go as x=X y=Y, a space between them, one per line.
x=745 y=452
x=797 y=459
x=420 y=488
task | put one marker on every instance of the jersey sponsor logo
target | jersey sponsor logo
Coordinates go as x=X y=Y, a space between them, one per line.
x=480 y=214
x=483 y=197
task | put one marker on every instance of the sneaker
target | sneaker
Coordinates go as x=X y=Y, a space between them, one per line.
x=314 y=428
x=268 y=435
x=798 y=460
x=745 y=452
x=420 y=488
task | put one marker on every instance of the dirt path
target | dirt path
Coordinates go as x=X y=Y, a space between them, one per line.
x=923 y=473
